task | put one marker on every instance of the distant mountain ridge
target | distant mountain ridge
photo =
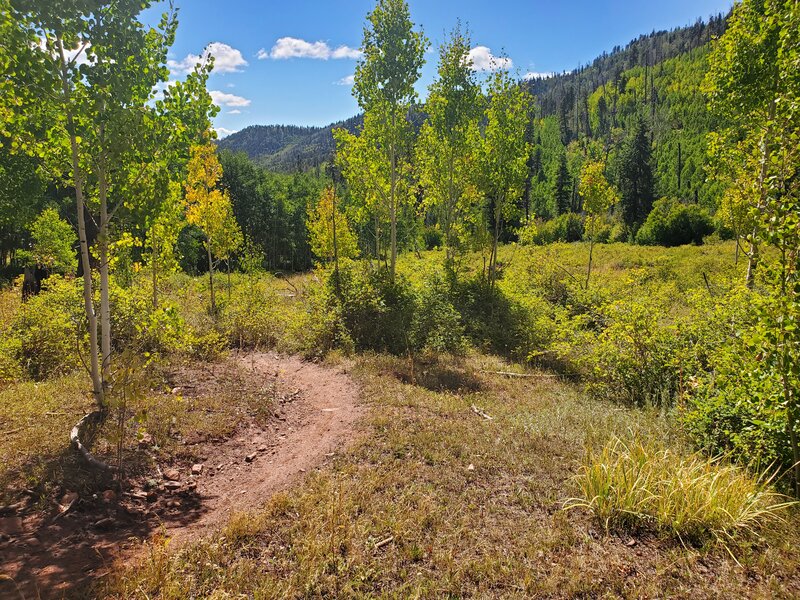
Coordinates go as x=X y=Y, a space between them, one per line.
x=288 y=148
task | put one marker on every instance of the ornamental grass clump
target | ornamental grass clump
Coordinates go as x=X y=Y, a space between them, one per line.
x=643 y=486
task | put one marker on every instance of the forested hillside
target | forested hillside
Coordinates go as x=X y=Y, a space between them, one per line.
x=287 y=148
x=291 y=148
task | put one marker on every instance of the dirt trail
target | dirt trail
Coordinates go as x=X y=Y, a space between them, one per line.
x=319 y=421
x=52 y=558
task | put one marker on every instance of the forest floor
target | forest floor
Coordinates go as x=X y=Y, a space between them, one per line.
x=57 y=550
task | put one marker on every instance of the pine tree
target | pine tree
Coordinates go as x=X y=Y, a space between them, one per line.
x=635 y=176
x=562 y=190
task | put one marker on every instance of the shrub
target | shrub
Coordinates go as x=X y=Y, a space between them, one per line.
x=375 y=311
x=250 y=318
x=436 y=324
x=46 y=329
x=564 y=228
x=632 y=359
x=492 y=320
x=642 y=485
x=672 y=223
x=10 y=349
x=136 y=325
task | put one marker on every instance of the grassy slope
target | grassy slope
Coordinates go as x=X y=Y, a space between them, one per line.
x=473 y=507
x=496 y=529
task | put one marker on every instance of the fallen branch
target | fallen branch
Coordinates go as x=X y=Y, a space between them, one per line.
x=480 y=413
x=529 y=375
x=11 y=431
x=75 y=440
x=385 y=542
x=65 y=509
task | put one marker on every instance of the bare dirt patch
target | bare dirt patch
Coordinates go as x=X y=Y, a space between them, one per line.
x=313 y=414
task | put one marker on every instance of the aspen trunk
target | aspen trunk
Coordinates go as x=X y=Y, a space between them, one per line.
x=211 y=280
x=98 y=390
x=105 y=304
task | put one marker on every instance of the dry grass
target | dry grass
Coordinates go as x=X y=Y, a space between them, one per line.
x=472 y=508
x=177 y=404
x=34 y=431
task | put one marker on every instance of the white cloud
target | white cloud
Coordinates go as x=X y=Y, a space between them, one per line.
x=222 y=132
x=349 y=80
x=235 y=111
x=483 y=60
x=226 y=60
x=346 y=52
x=228 y=100
x=538 y=75
x=289 y=47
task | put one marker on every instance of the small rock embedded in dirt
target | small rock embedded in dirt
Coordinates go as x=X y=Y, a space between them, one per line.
x=11 y=526
x=197 y=469
x=105 y=524
x=173 y=485
x=172 y=475
x=471 y=467
x=250 y=457
x=68 y=498
x=262 y=448
x=175 y=391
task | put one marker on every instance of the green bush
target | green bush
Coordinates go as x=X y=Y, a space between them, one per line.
x=436 y=324
x=250 y=318
x=734 y=403
x=564 y=228
x=46 y=329
x=493 y=320
x=137 y=325
x=633 y=358
x=672 y=223
x=10 y=349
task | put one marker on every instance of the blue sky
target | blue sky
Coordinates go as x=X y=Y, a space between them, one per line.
x=288 y=61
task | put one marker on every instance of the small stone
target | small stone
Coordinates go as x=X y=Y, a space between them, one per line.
x=219 y=466
x=68 y=499
x=250 y=457
x=262 y=448
x=172 y=475
x=11 y=526
x=471 y=467
x=175 y=391
x=197 y=469
x=173 y=485
x=32 y=542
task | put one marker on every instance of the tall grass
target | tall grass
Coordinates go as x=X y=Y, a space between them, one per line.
x=635 y=485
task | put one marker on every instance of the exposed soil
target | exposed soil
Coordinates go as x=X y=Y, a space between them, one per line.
x=54 y=555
